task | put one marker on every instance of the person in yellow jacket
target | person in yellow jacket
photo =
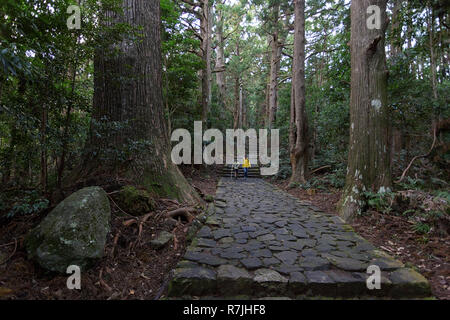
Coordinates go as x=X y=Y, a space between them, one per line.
x=245 y=166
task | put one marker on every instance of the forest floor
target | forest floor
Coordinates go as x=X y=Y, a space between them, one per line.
x=132 y=270
x=129 y=270
x=392 y=233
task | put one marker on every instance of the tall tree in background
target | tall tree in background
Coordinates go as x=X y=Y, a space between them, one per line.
x=206 y=30
x=201 y=10
x=368 y=159
x=275 y=57
x=220 y=54
x=298 y=136
x=129 y=138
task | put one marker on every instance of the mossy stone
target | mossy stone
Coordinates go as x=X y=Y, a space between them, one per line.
x=135 y=201
x=74 y=233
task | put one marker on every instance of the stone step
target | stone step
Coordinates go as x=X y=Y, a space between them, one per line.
x=265 y=242
x=230 y=281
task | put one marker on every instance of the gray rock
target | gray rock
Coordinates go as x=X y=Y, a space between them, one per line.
x=74 y=233
x=407 y=282
x=205 y=232
x=261 y=253
x=242 y=235
x=309 y=253
x=251 y=263
x=266 y=237
x=347 y=263
x=161 y=240
x=267 y=262
x=320 y=283
x=288 y=269
x=314 y=263
x=387 y=263
x=203 y=242
x=269 y=282
x=221 y=233
x=192 y=281
x=232 y=280
x=287 y=257
x=297 y=283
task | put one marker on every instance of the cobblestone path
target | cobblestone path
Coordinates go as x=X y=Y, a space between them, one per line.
x=263 y=242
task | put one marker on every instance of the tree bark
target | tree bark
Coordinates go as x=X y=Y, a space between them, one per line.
x=274 y=67
x=368 y=165
x=396 y=45
x=298 y=136
x=432 y=54
x=241 y=108
x=205 y=31
x=236 y=103
x=134 y=148
x=220 y=59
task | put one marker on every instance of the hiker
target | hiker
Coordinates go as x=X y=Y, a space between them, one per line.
x=235 y=168
x=246 y=165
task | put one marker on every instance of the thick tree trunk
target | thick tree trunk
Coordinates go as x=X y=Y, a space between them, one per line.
x=298 y=136
x=129 y=141
x=368 y=165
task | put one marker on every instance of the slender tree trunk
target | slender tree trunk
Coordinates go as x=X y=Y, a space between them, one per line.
x=396 y=45
x=236 y=103
x=205 y=30
x=432 y=54
x=220 y=59
x=43 y=138
x=396 y=49
x=274 y=67
x=134 y=148
x=66 y=130
x=244 y=110
x=368 y=165
x=241 y=108
x=298 y=137
x=267 y=107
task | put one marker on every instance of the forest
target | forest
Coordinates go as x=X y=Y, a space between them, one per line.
x=91 y=91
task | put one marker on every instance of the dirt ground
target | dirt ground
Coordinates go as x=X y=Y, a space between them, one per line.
x=129 y=270
x=393 y=234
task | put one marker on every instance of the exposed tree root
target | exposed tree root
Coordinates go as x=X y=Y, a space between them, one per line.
x=185 y=213
x=12 y=254
x=421 y=156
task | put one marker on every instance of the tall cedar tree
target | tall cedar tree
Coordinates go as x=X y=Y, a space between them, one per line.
x=128 y=93
x=298 y=136
x=369 y=152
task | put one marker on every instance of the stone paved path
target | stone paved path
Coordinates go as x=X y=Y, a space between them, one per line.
x=263 y=242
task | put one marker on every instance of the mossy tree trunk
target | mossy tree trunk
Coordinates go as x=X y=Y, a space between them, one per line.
x=368 y=159
x=129 y=141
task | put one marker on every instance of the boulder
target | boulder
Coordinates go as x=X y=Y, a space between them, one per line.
x=73 y=233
